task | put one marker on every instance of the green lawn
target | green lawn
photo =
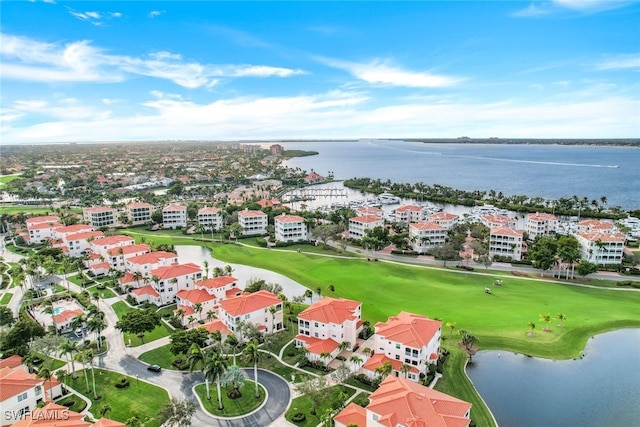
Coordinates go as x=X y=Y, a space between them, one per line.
x=140 y=398
x=455 y=382
x=104 y=293
x=160 y=356
x=303 y=404
x=272 y=364
x=6 y=297
x=232 y=407
x=160 y=331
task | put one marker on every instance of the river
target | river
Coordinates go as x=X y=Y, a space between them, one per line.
x=543 y=170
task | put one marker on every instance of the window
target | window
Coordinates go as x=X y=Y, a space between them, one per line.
x=22 y=396
x=38 y=390
x=397 y=357
x=398 y=346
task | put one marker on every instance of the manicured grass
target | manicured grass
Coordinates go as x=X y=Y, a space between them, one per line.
x=272 y=364
x=5 y=179
x=104 y=293
x=78 y=403
x=140 y=398
x=303 y=404
x=6 y=298
x=10 y=210
x=232 y=407
x=160 y=356
x=160 y=331
x=455 y=382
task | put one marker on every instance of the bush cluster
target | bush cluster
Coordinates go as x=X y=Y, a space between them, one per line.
x=298 y=417
x=180 y=363
x=122 y=382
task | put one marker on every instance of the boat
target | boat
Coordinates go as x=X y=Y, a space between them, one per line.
x=388 y=199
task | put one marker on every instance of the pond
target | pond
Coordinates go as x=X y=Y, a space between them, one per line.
x=600 y=389
x=244 y=273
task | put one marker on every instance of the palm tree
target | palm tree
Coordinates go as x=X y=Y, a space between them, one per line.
x=197 y=307
x=48 y=309
x=197 y=357
x=69 y=348
x=405 y=369
x=344 y=345
x=451 y=326
x=367 y=351
x=66 y=268
x=233 y=377
x=252 y=355
x=210 y=315
x=96 y=324
x=228 y=270
x=325 y=355
x=80 y=357
x=356 y=361
x=561 y=317
x=232 y=341
x=137 y=276
x=384 y=370
x=78 y=322
x=217 y=337
x=214 y=367
x=88 y=358
x=546 y=318
x=206 y=268
x=46 y=373
x=309 y=294
x=532 y=326
x=273 y=312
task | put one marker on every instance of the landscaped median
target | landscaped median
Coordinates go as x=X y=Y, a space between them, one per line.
x=243 y=405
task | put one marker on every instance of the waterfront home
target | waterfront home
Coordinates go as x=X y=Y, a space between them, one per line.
x=443 y=219
x=21 y=392
x=402 y=403
x=147 y=262
x=326 y=324
x=102 y=245
x=425 y=235
x=168 y=280
x=252 y=222
x=601 y=248
x=506 y=242
x=541 y=224
x=210 y=218
x=221 y=287
x=595 y=226
x=262 y=309
x=117 y=256
x=273 y=202
x=409 y=214
x=369 y=211
x=290 y=228
x=359 y=225
x=100 y=216
x=174 y=216
x=406 y=339
x=139 y=213
x=194 y=304
x=496 y=220
x=313 y=178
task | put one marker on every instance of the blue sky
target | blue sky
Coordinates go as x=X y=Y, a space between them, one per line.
x=156 y=70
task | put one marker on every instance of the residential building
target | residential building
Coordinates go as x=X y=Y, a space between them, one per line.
x=102 y=245
x=496 y=220
x=76 y=245
x=42 y=228
x=147 y=262
x=409 y=339
x=505 y=242
x=62 y=232
x=168 y=280
x=443 y=219
x=174 y=216
x=313 y=177
x=21 y=392
x=595 y=226
x=409 y=214
x=290 y=228
x=210 y=219
x=262 y=309
x=425 y=235
x=402 y=403
x=100 y=216
x=541 y=224
x=221 y=287
x=118 y=256
x=369 y=211
x=601 y=248
x=194 y=304
x=252 y=222
x=139 y=213
x=276 y=149
x=328 y=323
x=359 y=225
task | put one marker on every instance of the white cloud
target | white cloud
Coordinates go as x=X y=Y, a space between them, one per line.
x=560 y=6
x=155 y=13
x=26 y=59
x=532 y=10
x=620 y=62
x=382 y=73
x=94 y=17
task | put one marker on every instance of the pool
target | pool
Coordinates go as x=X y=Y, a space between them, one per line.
x=58 y=310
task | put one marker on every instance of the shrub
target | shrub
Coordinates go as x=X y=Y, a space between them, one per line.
x=341 y=358
x=298 y=417
x=68 y=403
x=291 y=353
x=180 y=363
x=261 y=241
x=101 y=286
x=122 y=382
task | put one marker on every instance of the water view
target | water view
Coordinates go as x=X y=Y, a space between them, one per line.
x=601 y=389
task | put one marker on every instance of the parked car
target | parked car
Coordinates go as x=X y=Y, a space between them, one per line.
x=154 y=368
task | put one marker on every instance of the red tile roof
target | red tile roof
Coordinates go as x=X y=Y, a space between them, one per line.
x=539 y=216
x=380 y=359
x=249 y=302
x=594 y=236
x=39 y=219
x=318 y=346
x=412 y=330
x=288 y=218
x=145 y=290
x=66 y=315
x=400 y=402
x=98 y=209
x=11 y=362
x=104 y=422
x=331 y=310
x=152 y=257
x=248 y=213
x=409 y=208
x=442 y=216
x=75 y=228
x=596 y=224
x=139 y=205
x=426 y=225
x=84 y=235
x=16 y=381
x=112 y=240
x=504 y=231
x=216 y=282
x=54 y=415
x=41 y=226
x=169 y=208
x=195 y=296
x=129 y=249
x=176 y=270
x=366 y=219
x=353 y=414
x=216 y=325
x=498 y=219
x=209 y=210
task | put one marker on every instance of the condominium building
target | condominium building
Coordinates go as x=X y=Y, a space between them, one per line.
x=290 y=228
x=425 y=235
x=541 y=224
x=174 y=216
x=359 y=225
x=210 y=218
x=262 y=309
x=252 y=222
x=443 y=219
x=409 y=214
x=601 y=248
x=139 y=213
x=100 y=216
x=505 y=242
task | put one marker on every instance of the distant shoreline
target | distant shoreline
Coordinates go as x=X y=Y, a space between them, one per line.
x=625 y=142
